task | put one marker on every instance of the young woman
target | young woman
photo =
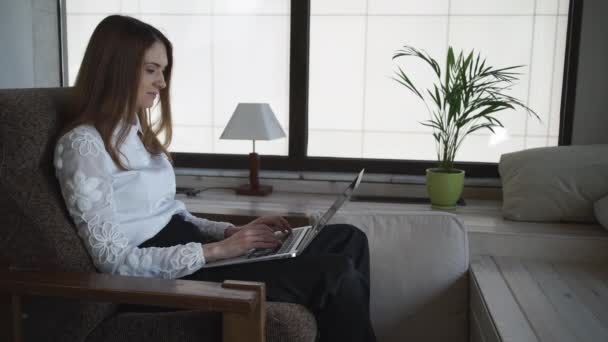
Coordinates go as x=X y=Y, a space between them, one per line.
x=119 y=187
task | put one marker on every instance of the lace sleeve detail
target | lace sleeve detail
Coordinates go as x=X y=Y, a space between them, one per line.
x=211 y=228
x=81 y=166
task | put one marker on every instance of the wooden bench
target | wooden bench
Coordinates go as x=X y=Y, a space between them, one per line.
x=521 y=300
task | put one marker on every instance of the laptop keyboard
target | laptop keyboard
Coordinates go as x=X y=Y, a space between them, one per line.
x=288 y=243
x=286 y=246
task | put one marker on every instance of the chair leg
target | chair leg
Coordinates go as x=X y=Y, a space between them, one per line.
x=10 y=318
x=246 y=327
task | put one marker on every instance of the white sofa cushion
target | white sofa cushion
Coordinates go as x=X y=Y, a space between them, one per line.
x=554 y=183
x=419 y=268
x=600 y=209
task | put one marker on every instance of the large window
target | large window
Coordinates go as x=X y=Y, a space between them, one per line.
x=325 y=67
x=355 y=105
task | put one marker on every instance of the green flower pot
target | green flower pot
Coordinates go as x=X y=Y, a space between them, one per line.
x=444 y=187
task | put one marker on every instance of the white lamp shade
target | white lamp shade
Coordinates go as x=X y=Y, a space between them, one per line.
x=253 y=121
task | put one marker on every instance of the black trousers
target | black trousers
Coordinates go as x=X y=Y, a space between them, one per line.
x=330 y=278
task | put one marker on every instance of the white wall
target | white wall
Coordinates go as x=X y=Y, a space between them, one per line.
x=17 y=57
x=29 y=44
x=591 y=104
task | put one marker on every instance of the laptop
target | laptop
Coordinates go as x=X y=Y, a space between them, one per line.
x=299 y=238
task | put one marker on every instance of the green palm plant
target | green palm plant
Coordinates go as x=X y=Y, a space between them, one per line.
x=464 y=99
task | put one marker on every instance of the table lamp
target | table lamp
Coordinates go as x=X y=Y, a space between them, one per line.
x=253 y=121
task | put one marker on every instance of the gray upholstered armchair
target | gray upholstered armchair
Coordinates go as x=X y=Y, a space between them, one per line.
x=49 y=288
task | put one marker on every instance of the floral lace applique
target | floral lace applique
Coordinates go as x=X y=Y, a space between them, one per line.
x=83 y=191
x=106 y=242
x=86 y=143
x=108 y=245
x=187 y=257
x=140 y=263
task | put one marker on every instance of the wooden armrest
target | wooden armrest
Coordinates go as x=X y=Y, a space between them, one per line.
x=242 y=303
x=96 y=287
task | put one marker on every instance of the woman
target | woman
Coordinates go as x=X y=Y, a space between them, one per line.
x=119 y=187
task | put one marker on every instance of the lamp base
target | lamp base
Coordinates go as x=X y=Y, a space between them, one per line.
x=247 y=190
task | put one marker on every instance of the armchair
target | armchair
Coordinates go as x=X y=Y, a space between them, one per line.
x=49 y=288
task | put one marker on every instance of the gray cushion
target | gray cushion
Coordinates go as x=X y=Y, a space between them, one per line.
x=186 y=326
x=285 y=322
x=554 y=183
x=419 y=266
x=600 y=208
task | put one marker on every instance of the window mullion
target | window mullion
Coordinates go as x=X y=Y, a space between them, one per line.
x=298 y=80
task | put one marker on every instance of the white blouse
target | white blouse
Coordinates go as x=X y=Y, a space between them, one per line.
x=116 y=210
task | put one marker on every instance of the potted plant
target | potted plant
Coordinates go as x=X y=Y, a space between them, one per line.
x=465 y=98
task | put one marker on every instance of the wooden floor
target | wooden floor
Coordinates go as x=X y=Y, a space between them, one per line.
x=520 y=300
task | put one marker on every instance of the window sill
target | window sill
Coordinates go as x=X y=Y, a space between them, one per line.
x=330 y=182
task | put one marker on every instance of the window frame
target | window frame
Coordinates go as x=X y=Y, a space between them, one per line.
x=297 y=160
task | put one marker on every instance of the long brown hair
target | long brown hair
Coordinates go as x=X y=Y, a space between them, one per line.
x=105 y=92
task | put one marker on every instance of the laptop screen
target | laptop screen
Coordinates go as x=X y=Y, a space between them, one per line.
x=339 y=201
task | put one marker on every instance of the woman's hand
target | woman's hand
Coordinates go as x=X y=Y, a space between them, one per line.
x=244 y=239
x=276 y=223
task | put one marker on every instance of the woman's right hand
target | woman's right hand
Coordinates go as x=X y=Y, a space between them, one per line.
x=248 y=237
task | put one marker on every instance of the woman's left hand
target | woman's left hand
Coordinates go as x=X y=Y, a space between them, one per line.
x=276 y=223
